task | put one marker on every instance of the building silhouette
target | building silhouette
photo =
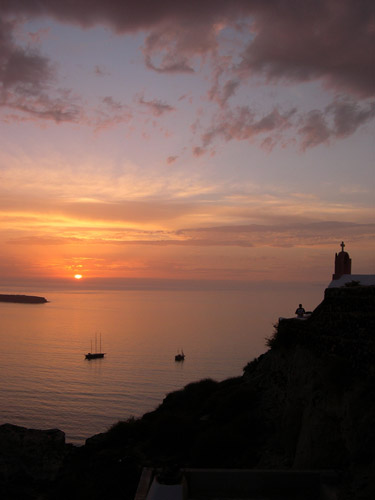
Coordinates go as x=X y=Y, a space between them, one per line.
x=343 y=272
x=343 y=263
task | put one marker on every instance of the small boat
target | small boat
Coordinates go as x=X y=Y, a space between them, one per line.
x=95 y=355
x=180 y=356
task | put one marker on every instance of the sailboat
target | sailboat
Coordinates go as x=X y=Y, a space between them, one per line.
x=180 y=356
x=96 y=354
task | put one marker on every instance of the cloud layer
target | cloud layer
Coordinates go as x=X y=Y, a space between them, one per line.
x=329 y=39
x=279 y=41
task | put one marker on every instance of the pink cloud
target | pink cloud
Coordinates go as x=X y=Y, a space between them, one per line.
x=349 y=115
x=21 y=70
x=61 y=108
x=37 y=36
x=339 y=119
x=243 y=124
x=100 y=71
x=126 y=15
x=222 y=94
x=25 y=80
x=309 y=40
x=278 y=233
x=28 y=91
x=282 y=41
x=156 y=106
x=162 y=54
x=199 y=151
x=178 y=30
x=110 y=113
x=314 y=130
x=171 y=159
x=293 y=40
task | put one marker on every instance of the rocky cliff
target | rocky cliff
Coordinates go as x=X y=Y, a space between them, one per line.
x=30 y=459
x=307 y=403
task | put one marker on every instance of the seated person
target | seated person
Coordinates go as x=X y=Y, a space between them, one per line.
x=300 y=311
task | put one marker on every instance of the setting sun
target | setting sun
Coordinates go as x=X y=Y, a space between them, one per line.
x=78 y=276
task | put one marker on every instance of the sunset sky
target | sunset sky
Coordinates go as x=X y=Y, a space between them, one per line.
x=204 y=140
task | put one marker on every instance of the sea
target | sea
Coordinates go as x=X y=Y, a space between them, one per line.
x=46 y=382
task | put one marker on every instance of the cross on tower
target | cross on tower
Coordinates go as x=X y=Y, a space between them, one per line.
x=343 y=263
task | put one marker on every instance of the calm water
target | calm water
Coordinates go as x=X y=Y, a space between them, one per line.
x=46 y=382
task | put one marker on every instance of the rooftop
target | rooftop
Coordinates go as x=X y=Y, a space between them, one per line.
x=361 y=279
x=235 y=484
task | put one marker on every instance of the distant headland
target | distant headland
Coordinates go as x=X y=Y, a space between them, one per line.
x=23 y=299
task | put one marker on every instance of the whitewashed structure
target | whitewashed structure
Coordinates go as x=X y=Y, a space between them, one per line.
x=343 y=272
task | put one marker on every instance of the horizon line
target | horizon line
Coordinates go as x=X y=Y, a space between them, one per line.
x=168 y=284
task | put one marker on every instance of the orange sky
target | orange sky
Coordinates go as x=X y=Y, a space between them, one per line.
x=182 y=144
x=59 y=240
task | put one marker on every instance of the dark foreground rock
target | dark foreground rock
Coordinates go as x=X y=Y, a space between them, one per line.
x=30 y=460
x=306 y=404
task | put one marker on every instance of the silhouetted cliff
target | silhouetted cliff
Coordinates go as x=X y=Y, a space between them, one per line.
x=307 y=403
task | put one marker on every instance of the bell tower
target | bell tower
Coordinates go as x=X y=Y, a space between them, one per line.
x=343 y=263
